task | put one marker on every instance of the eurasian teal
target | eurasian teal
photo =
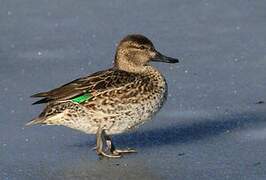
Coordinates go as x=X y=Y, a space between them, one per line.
x=111 y=101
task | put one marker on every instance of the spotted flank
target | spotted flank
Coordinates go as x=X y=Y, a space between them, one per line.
x=110 y=101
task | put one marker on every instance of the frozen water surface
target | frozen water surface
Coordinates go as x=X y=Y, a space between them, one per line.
x=210 y=128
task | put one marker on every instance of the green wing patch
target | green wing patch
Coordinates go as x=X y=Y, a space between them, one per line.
x=82 y=98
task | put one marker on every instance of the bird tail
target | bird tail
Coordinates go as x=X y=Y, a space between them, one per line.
x=35 y=121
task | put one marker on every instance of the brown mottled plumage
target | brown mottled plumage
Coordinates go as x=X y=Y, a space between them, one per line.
x=110 y=101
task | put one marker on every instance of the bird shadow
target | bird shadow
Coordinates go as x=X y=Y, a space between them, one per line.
x=189 y=133
x=200 y=129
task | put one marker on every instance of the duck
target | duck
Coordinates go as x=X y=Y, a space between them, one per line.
x=111 y=101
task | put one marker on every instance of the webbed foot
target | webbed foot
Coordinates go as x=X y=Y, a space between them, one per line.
x=105 y=147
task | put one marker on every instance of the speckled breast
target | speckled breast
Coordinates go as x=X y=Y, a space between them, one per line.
x=138 y=105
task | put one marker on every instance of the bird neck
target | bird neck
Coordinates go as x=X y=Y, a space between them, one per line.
x=129 y=67
x=124 y=63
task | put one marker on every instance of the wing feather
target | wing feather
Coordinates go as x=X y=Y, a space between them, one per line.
x=97 y=82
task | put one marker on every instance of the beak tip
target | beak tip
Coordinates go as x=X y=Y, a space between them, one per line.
x=163 y=58
x=176 y=61
x=171 y=60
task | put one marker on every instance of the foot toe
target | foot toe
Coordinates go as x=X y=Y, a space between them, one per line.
x=123 y=151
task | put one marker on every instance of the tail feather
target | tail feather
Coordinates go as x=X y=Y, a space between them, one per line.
x=51 y=115
x=35 y=121
x=42 y=95
x=44 y=100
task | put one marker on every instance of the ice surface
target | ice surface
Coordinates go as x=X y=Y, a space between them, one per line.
x=211 y=127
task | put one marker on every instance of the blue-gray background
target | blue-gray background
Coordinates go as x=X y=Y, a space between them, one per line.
x=211 y=126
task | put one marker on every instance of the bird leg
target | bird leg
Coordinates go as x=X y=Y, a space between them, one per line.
x=115 y=151
x=105 y=146
x=102 y=145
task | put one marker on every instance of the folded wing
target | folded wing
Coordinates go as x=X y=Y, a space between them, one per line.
x=86 y=86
